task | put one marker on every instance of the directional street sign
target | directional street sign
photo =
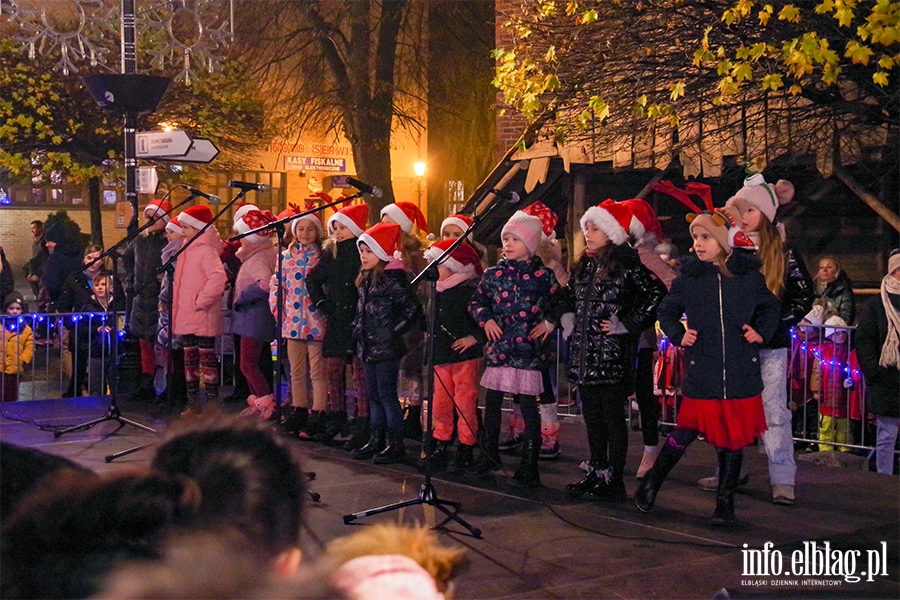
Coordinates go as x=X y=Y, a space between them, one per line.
x=148 y=180
x=156 y=144
x=202 y=151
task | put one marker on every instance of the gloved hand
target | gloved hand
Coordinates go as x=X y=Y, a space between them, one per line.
x=567 y=321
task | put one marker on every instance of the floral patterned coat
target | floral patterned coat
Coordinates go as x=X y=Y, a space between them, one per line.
x=517 y=295
x=302 y=320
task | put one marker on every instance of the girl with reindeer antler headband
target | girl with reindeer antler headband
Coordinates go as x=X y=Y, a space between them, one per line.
x=730 y=313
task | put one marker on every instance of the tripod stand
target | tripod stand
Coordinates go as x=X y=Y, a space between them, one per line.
x=427 y=492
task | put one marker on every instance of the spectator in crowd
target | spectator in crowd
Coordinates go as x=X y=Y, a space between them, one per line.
x=878 y=351
x=7 y=281
x=16 y=347
x=833 y=285
x=64 y=260
x=23 y=470
x=62 y=540
x=39 y=253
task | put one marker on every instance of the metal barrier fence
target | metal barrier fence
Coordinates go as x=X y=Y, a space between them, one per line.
x=68 y=354
x=53 y=355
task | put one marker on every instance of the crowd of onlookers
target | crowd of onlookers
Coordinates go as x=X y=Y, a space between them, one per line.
x=218 y=514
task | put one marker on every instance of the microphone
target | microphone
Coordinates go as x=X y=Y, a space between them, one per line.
x=365 y=188
x=246 y=186
x=212 y=198
x=511 y=197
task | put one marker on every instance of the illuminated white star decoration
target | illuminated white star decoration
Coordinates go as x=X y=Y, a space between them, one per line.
x=184 y=36
x=188 y=36
x=73 y=30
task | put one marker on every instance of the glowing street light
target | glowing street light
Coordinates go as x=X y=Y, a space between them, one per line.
x=419 y=168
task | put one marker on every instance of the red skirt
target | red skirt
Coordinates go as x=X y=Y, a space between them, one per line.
x=728 y=424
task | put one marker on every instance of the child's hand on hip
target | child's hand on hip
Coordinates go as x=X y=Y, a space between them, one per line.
x=690 y=336
x=492 y=330
x=463 y=344
x=751 y=336
x=540 y=331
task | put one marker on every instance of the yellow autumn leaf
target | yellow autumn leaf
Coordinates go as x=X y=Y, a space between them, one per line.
x=880 y=78
x=677 y=90
x=764 y=17
x=795 y=89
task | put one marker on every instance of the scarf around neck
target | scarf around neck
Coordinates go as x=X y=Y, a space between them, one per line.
x=890 y=350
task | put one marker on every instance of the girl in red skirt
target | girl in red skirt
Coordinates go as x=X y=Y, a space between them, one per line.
x=730 y=312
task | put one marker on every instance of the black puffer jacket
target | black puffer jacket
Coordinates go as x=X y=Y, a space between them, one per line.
x=453 y=322
x=839 y=295
x=796 y=300
x=711 y=373
x=630 y=292
x=384 y=312
x=332 y=289
x=141 y=260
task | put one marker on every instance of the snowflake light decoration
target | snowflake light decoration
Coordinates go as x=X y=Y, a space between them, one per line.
x=188 y=35
x=185 y=36
x=71 y=29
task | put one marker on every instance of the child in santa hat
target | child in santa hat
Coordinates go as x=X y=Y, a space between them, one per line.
x=332 y=290
x=387 y=307
x=408 y=216
x=169 y=354
x=786 y=277
x=251 y=318
x=455 y=226
x=645 y=233
x=141 y=260
x=457 y=357
x=613 y=298
x=197 y=305
x=303 y=328
x=730 y=314
x=514 y=304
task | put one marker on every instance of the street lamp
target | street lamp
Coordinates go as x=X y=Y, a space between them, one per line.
x=419 y=168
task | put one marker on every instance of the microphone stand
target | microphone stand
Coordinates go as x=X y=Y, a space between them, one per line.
x=427 y=493
x=112 y=412
x=278 y=227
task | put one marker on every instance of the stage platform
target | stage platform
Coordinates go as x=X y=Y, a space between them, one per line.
x=544 y=544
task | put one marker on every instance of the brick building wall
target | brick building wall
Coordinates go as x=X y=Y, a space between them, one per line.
x=509 y=125
x=15 y=233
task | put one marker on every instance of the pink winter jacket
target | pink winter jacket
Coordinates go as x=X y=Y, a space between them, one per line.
x=199 y=285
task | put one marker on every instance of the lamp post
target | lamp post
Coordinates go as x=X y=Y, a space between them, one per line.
x=419 y=168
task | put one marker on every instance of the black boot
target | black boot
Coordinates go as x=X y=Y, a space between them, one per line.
x=489 y=458
x=359 y=433
x=587 y=482
x=294 y=418
x=609 y=486
x=729 y=476
x=314 y=425
x=394 y=451
x=334 y=425
x=438 y=451
x=461 y=460
x=527 y=471
x=645 y=496
x=372 y=447
x=144 y=393
x=193 y=407
x=412 y=423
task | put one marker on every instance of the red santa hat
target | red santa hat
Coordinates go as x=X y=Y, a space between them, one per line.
x=174 y=226
x=286 y=213
x=159 y=208
x=644 y=225
x=464 y=259
x=382 y=239
x=197 y=216
x=353 y=218
x=405 y=214
x=461 y=221
x=548 y=219
x=254 y=219
x=239 y=225
x=611 y=217
x=312 y=218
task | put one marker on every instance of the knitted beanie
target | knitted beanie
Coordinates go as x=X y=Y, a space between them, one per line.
x=254 y=219
x=548 y=219
x=525 y=227
x=13 y=297
x=239 y=225
x=765 y=197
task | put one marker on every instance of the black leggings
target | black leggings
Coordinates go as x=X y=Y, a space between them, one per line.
x=647 y=402
x=531 y=415
x=603 y=408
